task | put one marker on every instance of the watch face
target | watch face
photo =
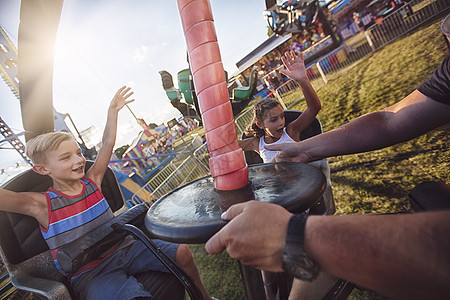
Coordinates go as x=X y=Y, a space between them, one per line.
x=301 y=266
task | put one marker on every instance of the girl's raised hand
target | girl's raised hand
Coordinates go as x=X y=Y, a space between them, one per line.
x=120 y=98
x=294 y=66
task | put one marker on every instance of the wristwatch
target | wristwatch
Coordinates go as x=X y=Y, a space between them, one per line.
x=294 y=259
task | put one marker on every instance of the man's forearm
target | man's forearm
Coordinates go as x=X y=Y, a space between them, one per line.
x=363 y=134
x=401 y=256
x=405 y=120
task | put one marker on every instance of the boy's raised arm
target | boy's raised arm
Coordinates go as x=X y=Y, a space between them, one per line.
x=97 y=171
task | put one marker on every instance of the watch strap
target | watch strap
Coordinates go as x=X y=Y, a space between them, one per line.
x=294 y=259
x=296 y=230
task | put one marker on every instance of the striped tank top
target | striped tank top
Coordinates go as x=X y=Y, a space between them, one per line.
x=73 y=216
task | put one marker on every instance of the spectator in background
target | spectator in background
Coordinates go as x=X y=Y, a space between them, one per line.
x=280 y=77
x=357 y=20
x=315 y=37
x=296 y=46
x=320 y=30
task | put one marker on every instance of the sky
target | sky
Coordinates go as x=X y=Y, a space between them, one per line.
x=104 y=44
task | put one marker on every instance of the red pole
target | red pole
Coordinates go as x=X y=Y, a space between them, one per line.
x=227 y=162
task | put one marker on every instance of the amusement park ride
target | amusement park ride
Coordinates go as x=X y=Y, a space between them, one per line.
x=8 y=71
x=189 y=214
x=290 y=18
x=239 y=96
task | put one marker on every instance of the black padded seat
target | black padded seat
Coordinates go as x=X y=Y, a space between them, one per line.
x=430 y=196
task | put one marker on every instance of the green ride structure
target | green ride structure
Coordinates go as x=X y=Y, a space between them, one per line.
x=239 y=96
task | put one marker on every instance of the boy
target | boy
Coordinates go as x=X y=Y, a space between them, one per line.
x=74 y=205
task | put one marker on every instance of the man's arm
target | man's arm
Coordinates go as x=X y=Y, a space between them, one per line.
x=97 y=171
x=403 y=256
x=411 y=117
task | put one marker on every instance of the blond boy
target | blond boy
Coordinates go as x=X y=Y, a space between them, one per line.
x=74 y=205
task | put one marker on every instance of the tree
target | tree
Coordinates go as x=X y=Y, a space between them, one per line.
x=120 y=151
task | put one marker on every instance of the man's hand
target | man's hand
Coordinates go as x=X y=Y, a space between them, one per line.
x=289 y=152
x=255 y=234
x=120 y=98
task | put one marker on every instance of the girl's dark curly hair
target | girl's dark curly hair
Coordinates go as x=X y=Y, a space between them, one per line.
x=259 y=112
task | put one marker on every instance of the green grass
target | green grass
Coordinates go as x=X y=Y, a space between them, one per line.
x=374 y=182
x=377 y=182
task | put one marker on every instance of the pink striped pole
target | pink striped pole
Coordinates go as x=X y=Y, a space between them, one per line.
x=227 y=162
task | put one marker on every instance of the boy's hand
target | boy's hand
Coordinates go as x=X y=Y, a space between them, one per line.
x=294 y=66
x=120 y=98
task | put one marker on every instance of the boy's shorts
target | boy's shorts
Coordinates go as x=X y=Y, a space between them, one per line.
x=113 y=278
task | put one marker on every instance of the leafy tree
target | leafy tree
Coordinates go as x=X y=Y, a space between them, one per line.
x=119 y=151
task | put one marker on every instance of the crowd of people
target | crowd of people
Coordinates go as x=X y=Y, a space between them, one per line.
x=367 y=13
x=270 y=64
x=299 y=42
x=165 y=142
x=158 y=147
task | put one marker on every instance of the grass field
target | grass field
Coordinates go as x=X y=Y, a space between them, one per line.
x=375 y=182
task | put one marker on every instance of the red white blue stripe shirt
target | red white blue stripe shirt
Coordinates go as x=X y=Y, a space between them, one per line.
x=70 y=217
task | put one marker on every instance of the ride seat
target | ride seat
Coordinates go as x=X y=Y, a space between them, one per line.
x=243 y=93
x=27 y=256
x=185 y=85
x=430 y=196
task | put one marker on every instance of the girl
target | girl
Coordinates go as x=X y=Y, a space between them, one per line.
x=268 y=124
x=268 y=127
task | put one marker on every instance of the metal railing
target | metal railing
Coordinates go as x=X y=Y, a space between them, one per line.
x=182 y=169
x=243 y=120
x=404 y=20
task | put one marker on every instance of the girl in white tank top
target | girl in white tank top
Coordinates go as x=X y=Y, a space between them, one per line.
x=268 y=127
